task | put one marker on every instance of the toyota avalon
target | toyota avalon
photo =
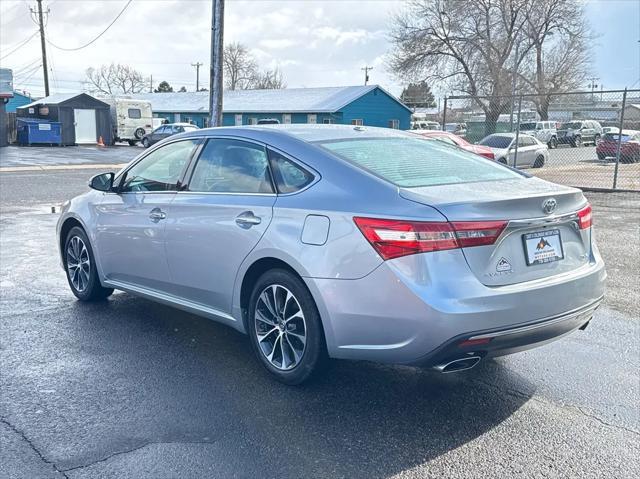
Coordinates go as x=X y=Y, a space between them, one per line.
x=327 y=241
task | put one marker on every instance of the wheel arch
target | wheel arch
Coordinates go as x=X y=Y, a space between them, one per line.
x=65 y=227
x=255 y=269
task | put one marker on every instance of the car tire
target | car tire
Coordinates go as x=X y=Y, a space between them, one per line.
x=145 y=143
x=539 y=163
x=577 y=142
x=502 y=160
x=139 y=133
x=80 y=267
x=132 y=142
x=602 y=156
x=553 y=143
x=288 y=338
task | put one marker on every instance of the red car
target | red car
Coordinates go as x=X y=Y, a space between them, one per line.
x=629 y=146
x=452 y=139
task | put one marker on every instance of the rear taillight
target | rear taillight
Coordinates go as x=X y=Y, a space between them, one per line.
x=584 y=217
x=488 y=154
x=395 y=238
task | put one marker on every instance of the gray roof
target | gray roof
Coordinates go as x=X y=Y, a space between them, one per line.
x=57 y=99
x=289 y=100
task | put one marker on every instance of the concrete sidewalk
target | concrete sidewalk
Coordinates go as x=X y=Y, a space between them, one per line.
x=45 y=157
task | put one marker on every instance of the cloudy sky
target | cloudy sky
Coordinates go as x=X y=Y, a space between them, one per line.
x=315 y=43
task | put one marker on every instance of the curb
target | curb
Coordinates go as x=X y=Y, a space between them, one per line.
x=17 y=169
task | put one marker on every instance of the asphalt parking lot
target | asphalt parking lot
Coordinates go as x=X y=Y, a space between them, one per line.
x=129 y=388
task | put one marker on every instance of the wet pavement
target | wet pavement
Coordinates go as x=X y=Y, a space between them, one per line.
x=130 y=388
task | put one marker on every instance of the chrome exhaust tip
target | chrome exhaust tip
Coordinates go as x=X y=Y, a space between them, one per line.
x=461 y=364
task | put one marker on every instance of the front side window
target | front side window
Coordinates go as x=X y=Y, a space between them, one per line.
x=412 y=162
x=160 y=170
x=288 y=176
x=134 y=113
x=231 y=166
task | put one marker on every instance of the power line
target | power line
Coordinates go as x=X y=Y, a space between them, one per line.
x=96 y=38
x=24 y=42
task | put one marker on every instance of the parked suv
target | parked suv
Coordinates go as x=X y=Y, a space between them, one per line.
x=575 y=133
x=545 y=131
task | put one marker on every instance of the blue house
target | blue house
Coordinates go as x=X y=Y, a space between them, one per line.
x=17 y=101
x=352 y=105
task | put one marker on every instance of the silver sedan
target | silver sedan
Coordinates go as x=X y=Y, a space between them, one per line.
x=340 y=242
x=530 y=151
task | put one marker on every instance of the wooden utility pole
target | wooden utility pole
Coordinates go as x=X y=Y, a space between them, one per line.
x=197 y=65
x=215 y=76
x=366 y=69
x=43 y=45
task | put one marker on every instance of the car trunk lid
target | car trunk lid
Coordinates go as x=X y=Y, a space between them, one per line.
x=520 y=203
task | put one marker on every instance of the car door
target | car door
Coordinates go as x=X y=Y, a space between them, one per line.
x=219 y=218
x=130 y=229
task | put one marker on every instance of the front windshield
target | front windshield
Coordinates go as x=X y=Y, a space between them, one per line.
x=496 y=141
x=409 y=162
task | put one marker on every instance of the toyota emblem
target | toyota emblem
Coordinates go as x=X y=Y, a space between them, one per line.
x=549 y=205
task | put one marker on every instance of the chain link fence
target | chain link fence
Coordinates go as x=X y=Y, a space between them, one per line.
x=590 y=139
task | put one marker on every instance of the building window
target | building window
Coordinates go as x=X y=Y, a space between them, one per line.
x=357 y=122
x=395 y=124
x=328 y=121
x=252 y=121
x=238 y=119
x=312 y=118
x=286 y=118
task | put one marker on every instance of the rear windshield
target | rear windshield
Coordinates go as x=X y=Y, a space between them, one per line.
x=411 y=162
x=573 y=125
x=615 y=136
x=528 y=126
x=496 y=141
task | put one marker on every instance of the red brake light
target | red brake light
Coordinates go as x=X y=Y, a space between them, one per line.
x=584 y=217
x=395 y=238
x=478 y=233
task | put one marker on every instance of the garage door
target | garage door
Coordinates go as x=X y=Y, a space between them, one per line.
x=85 y=123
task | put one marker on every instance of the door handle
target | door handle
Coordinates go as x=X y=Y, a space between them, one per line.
x=157 y=214
x=247 y=219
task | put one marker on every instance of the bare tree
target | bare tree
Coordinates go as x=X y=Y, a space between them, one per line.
x=560 y=59
x=241 y=72
x=240 y=68
x=116 y=79
x=470 y=45
x=268 y=80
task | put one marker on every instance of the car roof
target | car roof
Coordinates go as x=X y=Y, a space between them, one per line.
x=310 y=133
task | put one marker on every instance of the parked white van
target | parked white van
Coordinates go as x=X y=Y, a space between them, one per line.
x=130 y=119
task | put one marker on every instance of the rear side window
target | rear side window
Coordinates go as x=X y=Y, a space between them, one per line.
x=134 y=113
x=412 y=162
x=289 y=176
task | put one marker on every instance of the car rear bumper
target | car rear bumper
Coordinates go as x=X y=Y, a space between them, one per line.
x=492 y=343
x=414 y=310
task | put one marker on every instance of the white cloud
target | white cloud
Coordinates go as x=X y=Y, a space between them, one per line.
x=314 y=43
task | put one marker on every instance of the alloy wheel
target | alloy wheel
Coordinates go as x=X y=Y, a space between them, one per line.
x=280 y=326
x=78 y=263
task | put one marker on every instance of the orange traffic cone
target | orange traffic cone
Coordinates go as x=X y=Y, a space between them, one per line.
x=101 y=142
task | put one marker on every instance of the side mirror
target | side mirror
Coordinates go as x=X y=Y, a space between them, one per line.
x=102 y=182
